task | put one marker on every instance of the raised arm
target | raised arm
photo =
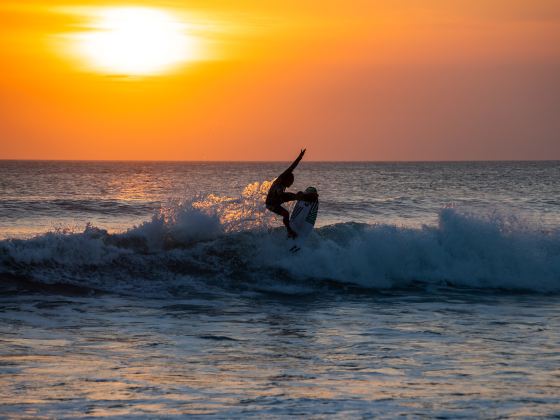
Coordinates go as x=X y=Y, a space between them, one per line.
x=295 y=162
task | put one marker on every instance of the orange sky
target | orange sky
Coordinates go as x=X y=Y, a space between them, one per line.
x=348 y=79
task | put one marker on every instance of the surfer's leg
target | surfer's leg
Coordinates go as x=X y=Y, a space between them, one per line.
x=281 y=211
x=286 y=219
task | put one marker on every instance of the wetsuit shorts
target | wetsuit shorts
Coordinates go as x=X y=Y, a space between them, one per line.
x=276 y=208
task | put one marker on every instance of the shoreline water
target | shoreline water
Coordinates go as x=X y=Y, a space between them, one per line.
x=263 y=354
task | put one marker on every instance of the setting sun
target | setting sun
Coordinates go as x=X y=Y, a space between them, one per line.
x=135 y=41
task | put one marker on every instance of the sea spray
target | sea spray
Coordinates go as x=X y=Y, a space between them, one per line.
x=462 y=250
x=220 y=241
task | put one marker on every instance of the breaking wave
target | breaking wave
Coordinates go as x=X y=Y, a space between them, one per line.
x=214 y=243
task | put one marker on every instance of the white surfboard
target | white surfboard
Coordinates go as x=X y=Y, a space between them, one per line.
x=302 y=221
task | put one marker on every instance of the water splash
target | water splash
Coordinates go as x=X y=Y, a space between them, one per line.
x=212 y=241
x=205 y=217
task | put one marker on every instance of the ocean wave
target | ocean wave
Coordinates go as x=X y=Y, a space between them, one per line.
x=11 y=208
x=218 y=243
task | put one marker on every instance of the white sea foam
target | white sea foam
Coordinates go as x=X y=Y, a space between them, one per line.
x=462 y=250
x=212 y=237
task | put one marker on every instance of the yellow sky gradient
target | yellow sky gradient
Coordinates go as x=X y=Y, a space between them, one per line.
x=349 y=80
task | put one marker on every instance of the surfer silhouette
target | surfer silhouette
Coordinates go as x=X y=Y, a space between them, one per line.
x=277 y=194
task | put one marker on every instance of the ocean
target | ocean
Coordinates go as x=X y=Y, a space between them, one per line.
x=165 y=290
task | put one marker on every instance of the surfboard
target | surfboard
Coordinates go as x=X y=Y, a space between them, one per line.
x=302 y=221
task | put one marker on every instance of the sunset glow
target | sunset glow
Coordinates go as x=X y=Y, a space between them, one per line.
x=254 y=79
x=135 y=41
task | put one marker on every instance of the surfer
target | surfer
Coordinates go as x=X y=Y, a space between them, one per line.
x=277 y=194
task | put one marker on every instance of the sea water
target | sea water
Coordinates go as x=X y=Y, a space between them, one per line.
x=166 y=289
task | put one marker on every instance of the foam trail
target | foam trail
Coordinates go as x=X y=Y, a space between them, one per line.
x=463 y=250
x=222 y=242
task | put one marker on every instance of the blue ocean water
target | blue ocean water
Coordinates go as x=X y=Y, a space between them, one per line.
x=159 y=289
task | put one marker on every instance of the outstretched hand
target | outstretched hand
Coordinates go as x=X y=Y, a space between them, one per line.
x=295 y=163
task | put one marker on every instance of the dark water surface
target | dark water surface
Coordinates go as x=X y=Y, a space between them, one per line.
x=37 y=196
x=165 y=289
x=444 y=354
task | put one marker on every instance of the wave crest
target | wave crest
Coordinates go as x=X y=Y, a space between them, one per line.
x=466 y=250
x=213 y=241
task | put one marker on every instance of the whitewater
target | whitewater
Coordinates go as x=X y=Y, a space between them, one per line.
x=167 y=289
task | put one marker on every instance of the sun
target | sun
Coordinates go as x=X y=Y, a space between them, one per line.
x=135 y=41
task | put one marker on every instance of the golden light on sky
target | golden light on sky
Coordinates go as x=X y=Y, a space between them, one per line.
x=256 y=79
x=134 y=41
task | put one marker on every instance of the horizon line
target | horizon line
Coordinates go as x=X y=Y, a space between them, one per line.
x=275 y=161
